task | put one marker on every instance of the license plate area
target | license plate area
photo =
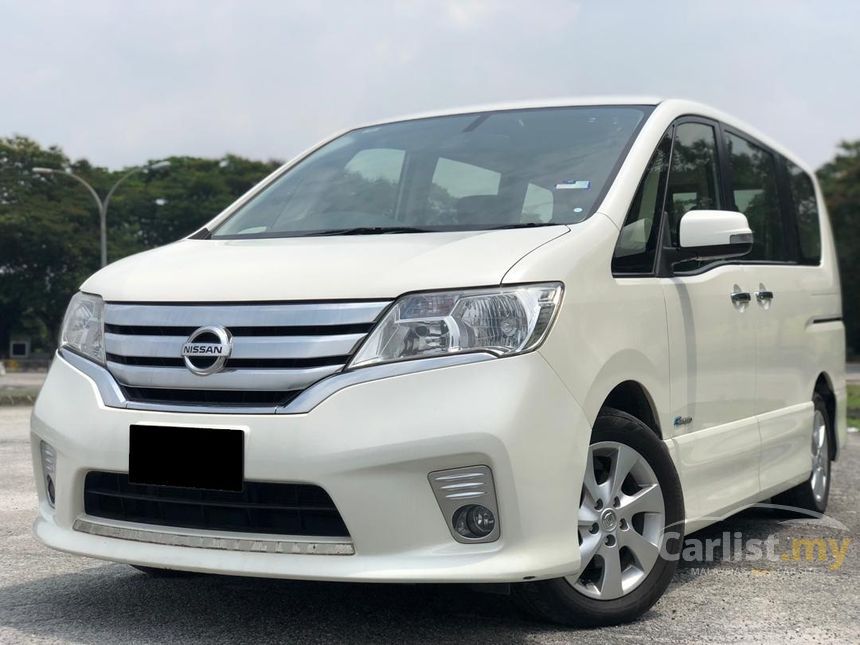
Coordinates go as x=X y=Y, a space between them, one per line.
x=208 y=458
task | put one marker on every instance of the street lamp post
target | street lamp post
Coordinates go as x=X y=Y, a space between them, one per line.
x=102 y=204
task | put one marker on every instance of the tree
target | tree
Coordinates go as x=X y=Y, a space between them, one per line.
x=49 y=225
x=156 y=208
x=840 y=182
x=46 y=241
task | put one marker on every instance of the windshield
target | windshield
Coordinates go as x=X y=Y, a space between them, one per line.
x=475 y=171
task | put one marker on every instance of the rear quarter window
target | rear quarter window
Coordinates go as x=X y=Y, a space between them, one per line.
x=804 y=211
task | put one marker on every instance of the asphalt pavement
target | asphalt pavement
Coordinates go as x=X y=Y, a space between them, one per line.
x=50 y=597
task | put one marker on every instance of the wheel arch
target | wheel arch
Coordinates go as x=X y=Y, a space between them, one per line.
x=633 y=398
x=824 y=388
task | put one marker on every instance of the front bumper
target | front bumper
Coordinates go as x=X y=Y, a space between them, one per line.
x=371 y=447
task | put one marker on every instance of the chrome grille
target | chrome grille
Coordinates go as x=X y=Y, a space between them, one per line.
x=278 y=349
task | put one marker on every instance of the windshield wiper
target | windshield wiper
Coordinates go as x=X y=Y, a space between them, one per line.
x=526 y=225
x=371 y=230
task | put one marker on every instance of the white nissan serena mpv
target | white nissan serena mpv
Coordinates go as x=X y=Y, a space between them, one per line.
x=524 y=344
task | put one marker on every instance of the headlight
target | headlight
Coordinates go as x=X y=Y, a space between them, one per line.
x=500 y=321
x=83 y=328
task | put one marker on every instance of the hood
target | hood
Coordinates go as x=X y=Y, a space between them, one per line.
x=317 y=268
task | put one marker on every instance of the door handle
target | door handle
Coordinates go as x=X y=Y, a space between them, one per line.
x=740 y=299
x=762 y=296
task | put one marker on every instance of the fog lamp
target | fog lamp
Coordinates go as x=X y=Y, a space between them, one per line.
x=52 y=493
x=474 y=521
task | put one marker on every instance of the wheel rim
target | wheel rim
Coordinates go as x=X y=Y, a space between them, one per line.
x=621 y=522
x=820 y=457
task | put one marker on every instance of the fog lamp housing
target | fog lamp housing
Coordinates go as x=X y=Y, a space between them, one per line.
x=49 y=470
x=467 y=499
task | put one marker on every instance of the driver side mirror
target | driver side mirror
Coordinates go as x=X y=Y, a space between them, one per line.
x=713 y=235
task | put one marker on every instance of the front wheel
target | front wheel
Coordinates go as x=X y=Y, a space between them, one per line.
x=631 y=524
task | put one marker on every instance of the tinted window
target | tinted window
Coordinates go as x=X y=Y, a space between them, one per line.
x=471 y=171
x=754 y=192
x=693 y=176
x=636 y=249
x=805 y=210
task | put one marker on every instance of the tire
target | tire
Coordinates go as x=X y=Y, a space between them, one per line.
x=154 y=572
x=590 y=599
x=811 y=495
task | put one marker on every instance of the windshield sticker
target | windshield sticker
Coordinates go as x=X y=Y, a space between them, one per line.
x=571 y=184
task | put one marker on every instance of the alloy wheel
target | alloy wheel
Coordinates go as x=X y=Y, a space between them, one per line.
x=820 y=457
x=621 y=522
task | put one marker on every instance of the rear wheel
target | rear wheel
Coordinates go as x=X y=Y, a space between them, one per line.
x=631 y=502
x=812 y=494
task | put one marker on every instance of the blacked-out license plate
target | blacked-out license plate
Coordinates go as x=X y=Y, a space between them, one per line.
x=212 y=458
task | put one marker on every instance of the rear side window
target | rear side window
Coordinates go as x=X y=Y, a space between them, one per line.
x=755 y=194
x=636 y=249
x=805 y=212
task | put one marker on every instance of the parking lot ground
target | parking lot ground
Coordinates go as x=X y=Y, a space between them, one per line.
x=50 y=597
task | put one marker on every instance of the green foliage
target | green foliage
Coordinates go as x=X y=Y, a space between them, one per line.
x=46 y=239
x=840 y=182
x=49 y=225
x=854 y=406
x=152 y=209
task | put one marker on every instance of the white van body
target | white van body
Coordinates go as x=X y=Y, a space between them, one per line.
x=726 y=383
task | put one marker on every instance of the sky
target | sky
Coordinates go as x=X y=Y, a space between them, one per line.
x=121 y=82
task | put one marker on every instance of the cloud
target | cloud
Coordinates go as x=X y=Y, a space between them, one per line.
x=123 y=82
x=468 y=13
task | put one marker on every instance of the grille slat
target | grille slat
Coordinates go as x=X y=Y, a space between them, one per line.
x=167 y=396
x=252 y=379
x=236 y=363
x=199 y=502
x=269 y=330
x=243 y=315
x=278 y=350
x=244 y=347
x=269 y=508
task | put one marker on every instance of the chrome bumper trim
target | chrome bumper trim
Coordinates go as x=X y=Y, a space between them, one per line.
x=113 y=397
x=108 y=388
x=321 y=390
x=282 y=545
